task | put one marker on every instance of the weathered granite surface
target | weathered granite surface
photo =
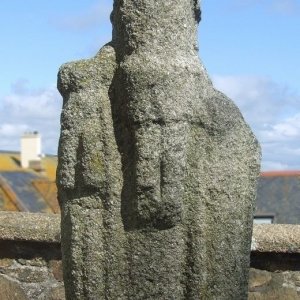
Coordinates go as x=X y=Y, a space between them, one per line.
x=10 y=290
x=157 y=170
x=264 y=285
x=37 y=227
x=278 y=238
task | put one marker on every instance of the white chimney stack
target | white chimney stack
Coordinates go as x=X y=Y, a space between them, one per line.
x=30 y=148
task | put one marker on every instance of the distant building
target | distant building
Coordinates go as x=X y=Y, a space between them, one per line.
x=278 y=198
x=31 y=149
x=27 y=180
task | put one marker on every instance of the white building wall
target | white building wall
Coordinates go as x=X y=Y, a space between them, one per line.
x=30 y=148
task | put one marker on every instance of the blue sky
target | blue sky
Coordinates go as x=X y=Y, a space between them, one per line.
x=249 y=47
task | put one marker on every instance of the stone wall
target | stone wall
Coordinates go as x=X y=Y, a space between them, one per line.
x=30 y=259
x=275 y=262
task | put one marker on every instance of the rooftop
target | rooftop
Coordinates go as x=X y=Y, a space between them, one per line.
x=27 y=189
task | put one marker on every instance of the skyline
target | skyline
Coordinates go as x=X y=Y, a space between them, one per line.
x=250 y=49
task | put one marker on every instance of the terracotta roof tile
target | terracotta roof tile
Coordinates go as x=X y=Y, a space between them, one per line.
x=280 y=173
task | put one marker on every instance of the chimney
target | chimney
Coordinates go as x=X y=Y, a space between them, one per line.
x=30 y=149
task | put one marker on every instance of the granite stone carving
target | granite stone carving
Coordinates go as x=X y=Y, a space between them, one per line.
x=157 y=169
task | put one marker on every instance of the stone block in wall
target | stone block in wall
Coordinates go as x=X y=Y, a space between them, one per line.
x=27 y=274
x=37 y=278
x=35 y=262
x=5 y=262
x=264 y=285
x=56 y=269
x=10 y=290
x=56 y=293
x=32 y=268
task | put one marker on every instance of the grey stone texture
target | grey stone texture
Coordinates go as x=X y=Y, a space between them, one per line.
x=9 y=290
x=277 y=238
x=23 y=226
x=157 y=170
x=266 y=285
x=31 y=269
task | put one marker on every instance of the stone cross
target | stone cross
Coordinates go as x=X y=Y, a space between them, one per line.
x=157 y=169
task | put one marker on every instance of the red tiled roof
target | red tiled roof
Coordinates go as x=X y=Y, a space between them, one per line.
x=280 y=173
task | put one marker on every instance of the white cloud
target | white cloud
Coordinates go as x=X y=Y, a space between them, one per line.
x=287 y=7
x=12 y=130
x=272 y=110
x=26 y=109
x=262 y=100
x=283 y=7
x=273 y=165
x=92 y=17
x=94 y=21
x=285 y=130
x=32 y=104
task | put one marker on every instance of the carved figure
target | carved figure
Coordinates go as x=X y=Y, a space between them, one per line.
x=157 y=170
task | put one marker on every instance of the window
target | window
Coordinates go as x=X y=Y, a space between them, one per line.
x=264 y=219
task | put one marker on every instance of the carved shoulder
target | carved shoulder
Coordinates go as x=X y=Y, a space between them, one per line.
x=81 y=74
x=224 y=115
